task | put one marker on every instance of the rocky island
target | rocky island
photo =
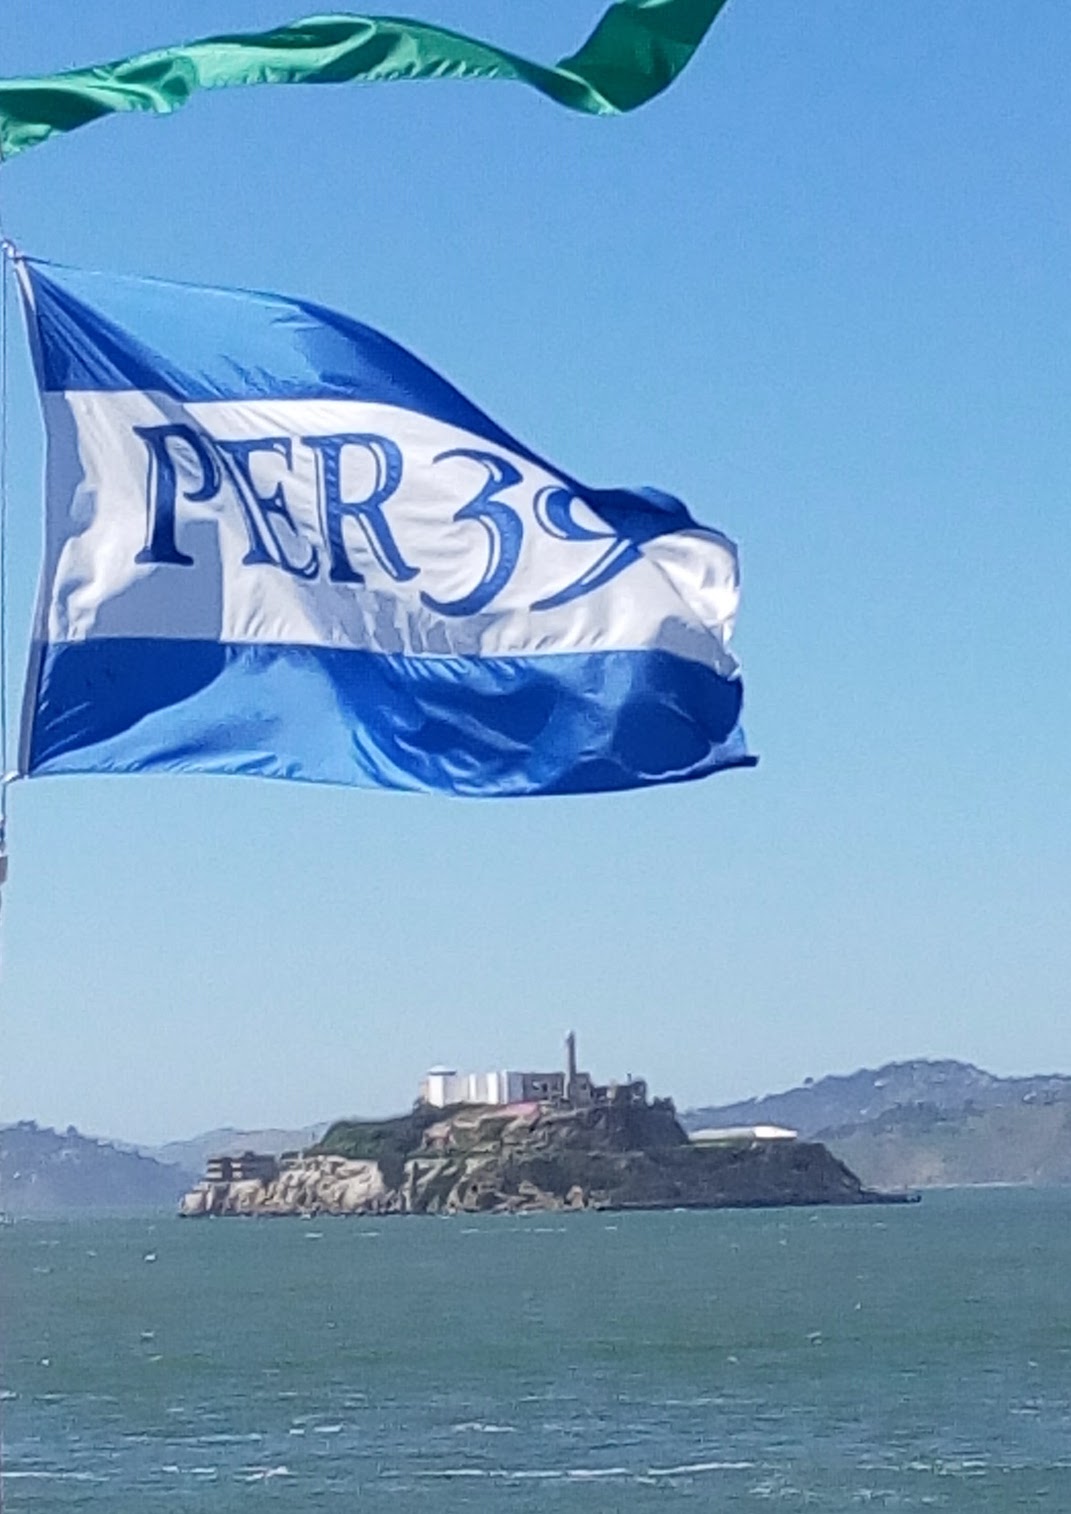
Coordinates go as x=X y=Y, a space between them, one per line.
x=617 y=1152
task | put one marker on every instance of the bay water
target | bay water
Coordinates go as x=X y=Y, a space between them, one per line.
x=907 y=1358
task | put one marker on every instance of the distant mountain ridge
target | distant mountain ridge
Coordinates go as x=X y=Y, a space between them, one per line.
x=924 y=1123
x=856 y=1098
x=45 y=1171
x=191 y=1154
x=921 y=1146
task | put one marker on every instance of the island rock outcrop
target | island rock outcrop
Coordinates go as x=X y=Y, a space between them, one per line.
x=531 y=1157
x=313 y=1184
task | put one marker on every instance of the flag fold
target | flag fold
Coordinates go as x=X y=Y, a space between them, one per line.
x=277 y=543
x=637 y=49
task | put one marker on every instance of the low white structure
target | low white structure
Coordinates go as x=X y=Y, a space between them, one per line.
x=444 y=1086
x=715 y=1135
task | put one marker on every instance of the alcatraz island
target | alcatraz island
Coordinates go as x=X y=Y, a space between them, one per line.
x=520 y=1142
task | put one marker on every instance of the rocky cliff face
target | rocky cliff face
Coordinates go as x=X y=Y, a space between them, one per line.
x=315 y=1185
x=532 y=1159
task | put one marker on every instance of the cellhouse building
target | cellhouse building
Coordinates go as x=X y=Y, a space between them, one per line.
x=444 y=1086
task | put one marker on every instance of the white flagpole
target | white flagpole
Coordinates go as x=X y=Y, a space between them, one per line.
x=5 y=309
x=7 y=776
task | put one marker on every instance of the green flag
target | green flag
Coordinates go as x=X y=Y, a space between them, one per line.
x=636 y=50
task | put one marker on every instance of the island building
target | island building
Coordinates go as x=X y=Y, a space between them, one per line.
x=445 y=1086
x=258 y=1166
x=720 y=1135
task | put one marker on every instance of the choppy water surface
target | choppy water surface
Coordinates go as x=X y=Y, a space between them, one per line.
x=915 y=1358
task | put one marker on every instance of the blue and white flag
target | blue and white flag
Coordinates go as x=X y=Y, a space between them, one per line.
x=278 y=544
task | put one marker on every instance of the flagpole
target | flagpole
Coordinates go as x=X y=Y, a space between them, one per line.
x=6 y=254
x=6 y=774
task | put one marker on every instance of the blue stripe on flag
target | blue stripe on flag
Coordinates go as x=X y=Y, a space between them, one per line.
x=109 y=332
x=553 y=724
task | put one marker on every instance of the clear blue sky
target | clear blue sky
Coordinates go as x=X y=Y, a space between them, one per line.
x=820 y=290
